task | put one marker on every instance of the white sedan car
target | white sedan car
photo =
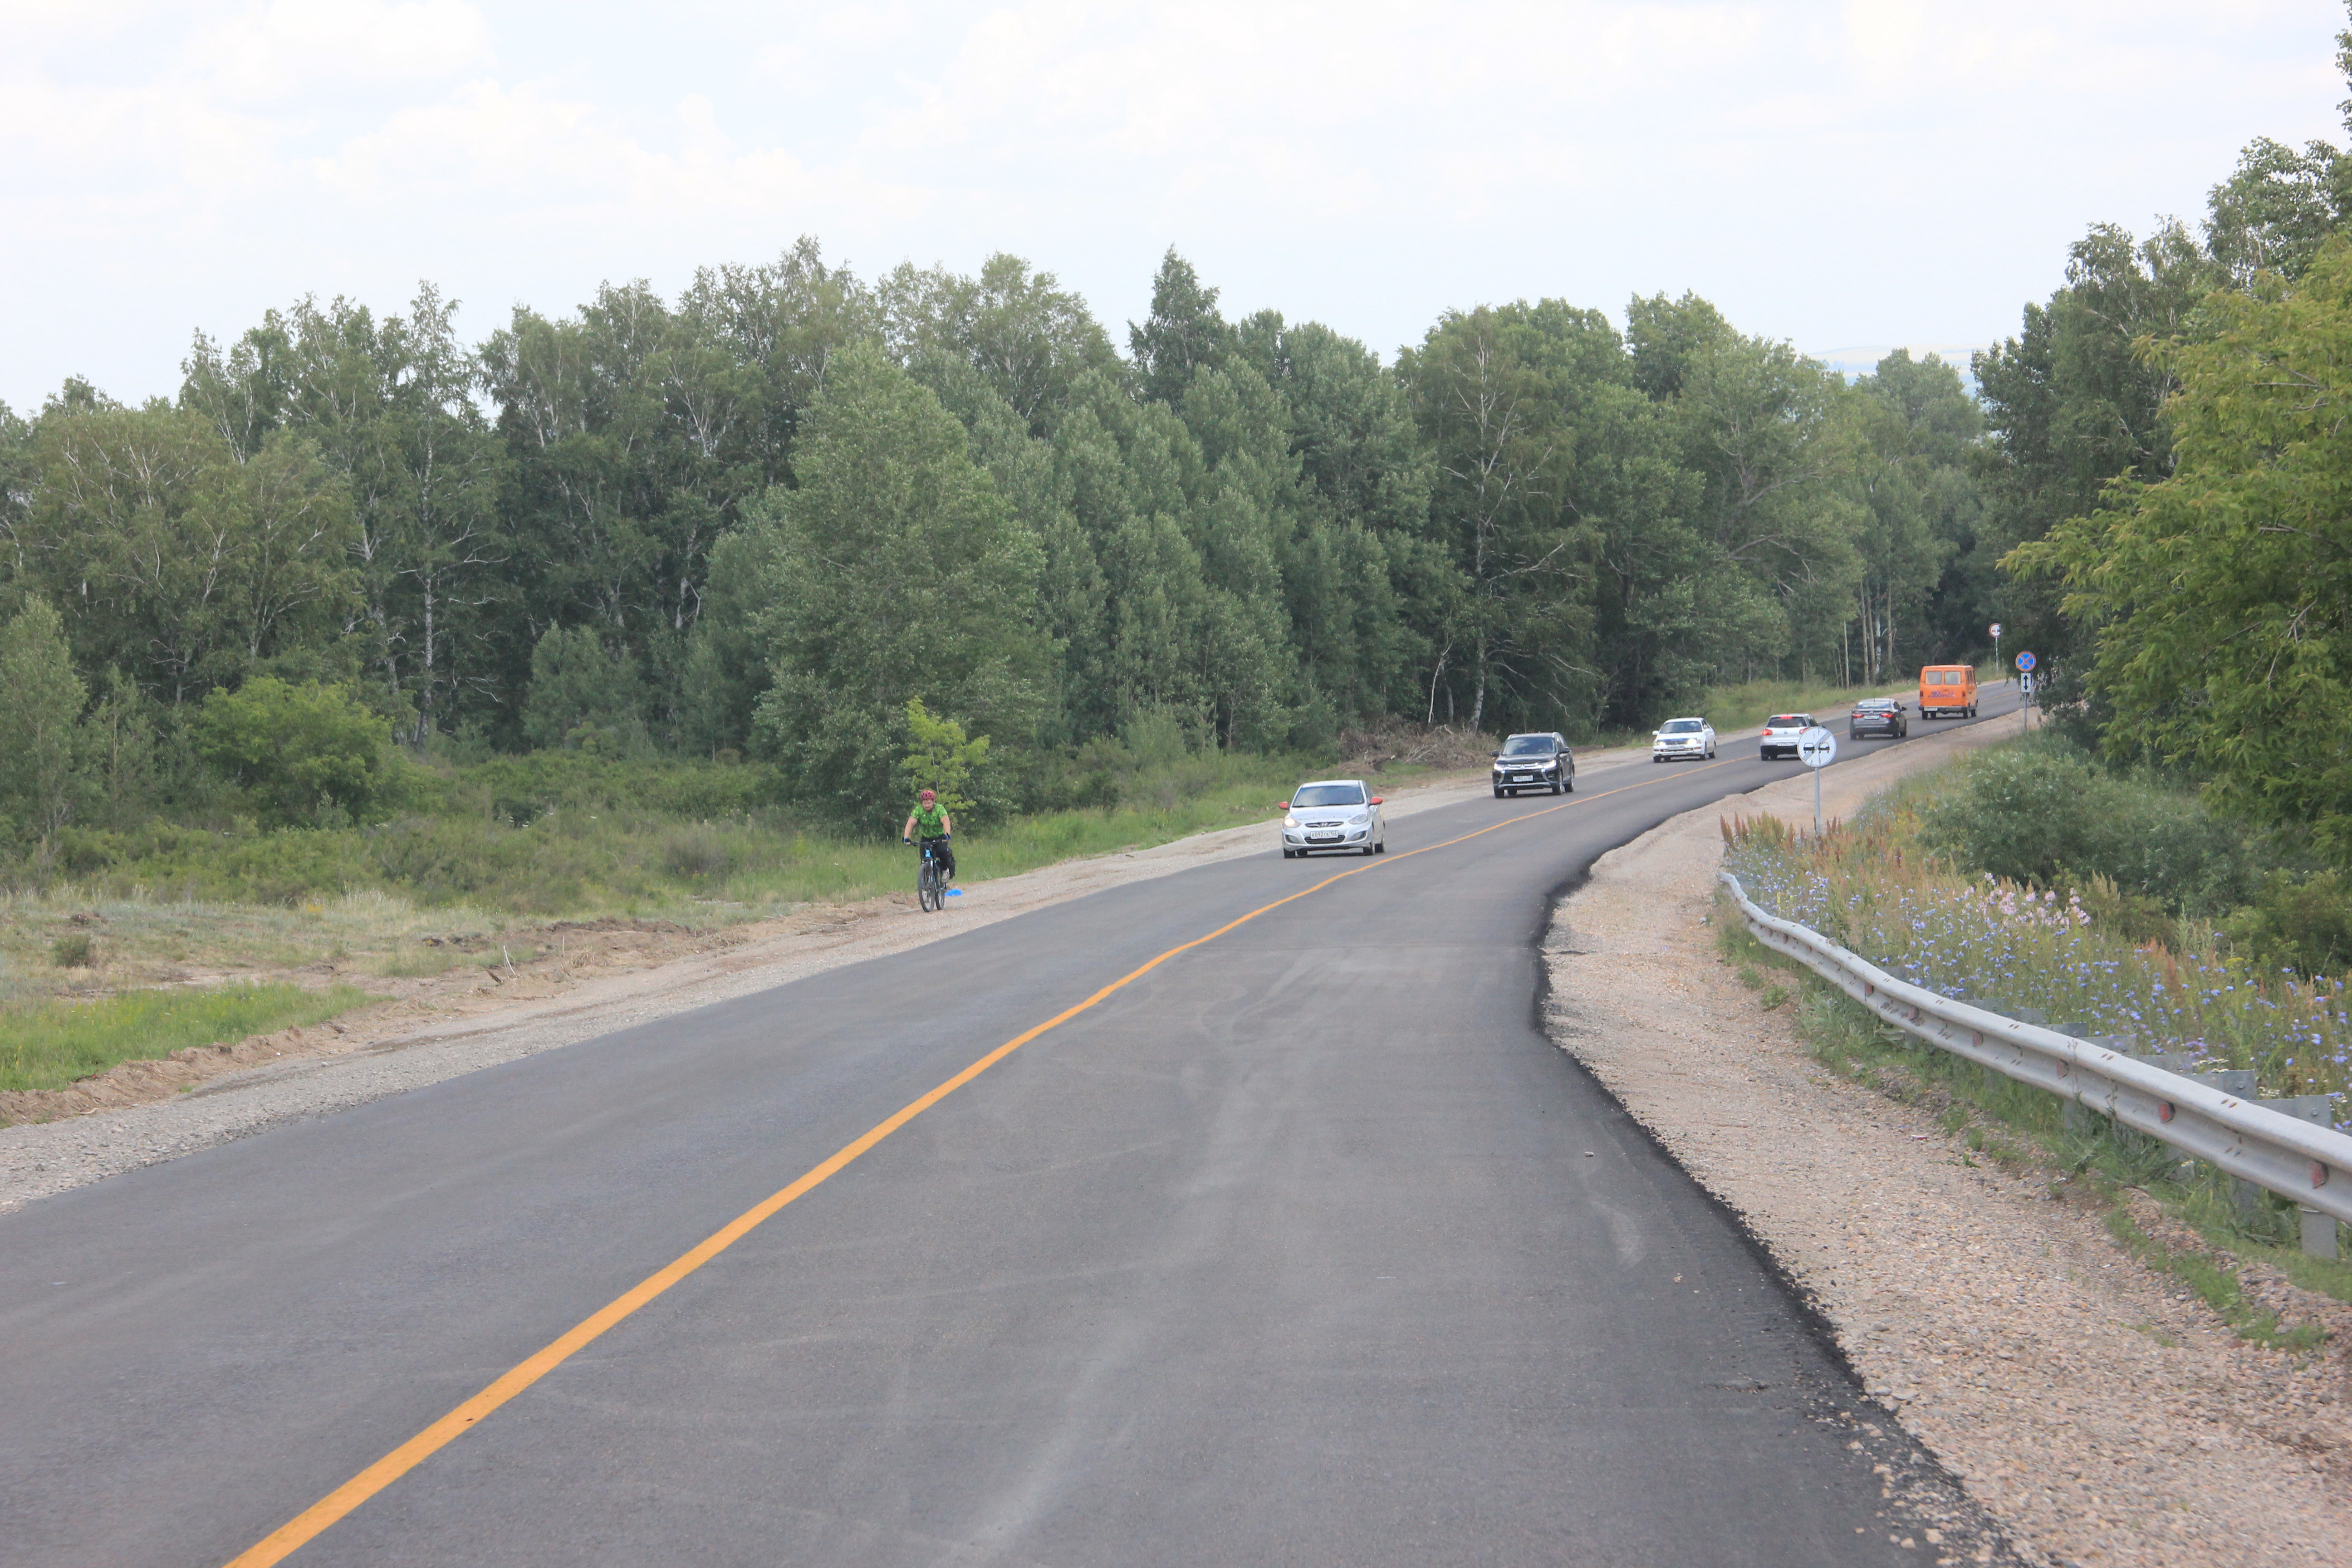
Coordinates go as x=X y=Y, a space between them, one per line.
x=1682 y=738
x=1333 y=814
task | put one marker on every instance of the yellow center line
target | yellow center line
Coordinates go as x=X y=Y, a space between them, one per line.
x=291 y=1536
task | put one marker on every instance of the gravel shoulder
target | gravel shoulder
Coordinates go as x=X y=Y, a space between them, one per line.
x=2101 y=1412
x=613 y=976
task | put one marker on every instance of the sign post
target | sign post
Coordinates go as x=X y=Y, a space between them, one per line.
x=2025 y=680
x=1996 y=642
x=1817 y=749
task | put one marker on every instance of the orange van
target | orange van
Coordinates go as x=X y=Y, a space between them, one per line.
x=1948 y=691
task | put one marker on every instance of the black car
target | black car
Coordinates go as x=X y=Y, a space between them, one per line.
x=1877 y=716
x=1534 y=762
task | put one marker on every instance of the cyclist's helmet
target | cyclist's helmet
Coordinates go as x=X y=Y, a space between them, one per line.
x=930 y=795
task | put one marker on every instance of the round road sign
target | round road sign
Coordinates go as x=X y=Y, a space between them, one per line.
x=1996 y=628
x=2025 y=661
x=1816 y=747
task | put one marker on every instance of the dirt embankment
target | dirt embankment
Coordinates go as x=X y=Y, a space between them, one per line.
x=2098 y=1407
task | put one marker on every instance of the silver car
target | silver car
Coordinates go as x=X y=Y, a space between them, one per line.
x=1682 y=738
x=1333 y=814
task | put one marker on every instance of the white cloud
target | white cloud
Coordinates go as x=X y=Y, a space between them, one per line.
x=1840 y=171
x=293 y=47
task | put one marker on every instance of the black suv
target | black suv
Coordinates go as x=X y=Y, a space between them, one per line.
x=1534 y=762
x=1877 y=716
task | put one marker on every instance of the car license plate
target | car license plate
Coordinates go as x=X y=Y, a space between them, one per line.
x=1322 y=839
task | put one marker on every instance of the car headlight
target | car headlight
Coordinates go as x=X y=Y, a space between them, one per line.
x=1360 y=817
x=1290 y=822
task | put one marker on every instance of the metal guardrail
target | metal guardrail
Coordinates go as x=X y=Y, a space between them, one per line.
x=2296 y=1159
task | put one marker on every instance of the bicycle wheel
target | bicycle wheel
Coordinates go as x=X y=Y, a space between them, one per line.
x=923 y=884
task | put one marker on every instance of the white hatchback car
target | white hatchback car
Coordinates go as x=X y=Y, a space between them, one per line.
x=1780 y=737
x=1682 y=738
x=1333 y=814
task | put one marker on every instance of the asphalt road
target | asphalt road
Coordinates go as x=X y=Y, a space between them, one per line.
x=1305 y=1248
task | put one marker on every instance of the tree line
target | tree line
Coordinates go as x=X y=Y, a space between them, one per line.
x=2167 y=487
x=759 y=519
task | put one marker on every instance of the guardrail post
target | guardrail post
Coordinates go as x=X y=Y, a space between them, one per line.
x=2318 y=1229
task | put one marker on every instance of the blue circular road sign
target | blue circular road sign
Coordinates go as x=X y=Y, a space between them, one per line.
x=2025 y=661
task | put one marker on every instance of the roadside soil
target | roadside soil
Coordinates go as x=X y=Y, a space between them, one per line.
x=2101 y=1411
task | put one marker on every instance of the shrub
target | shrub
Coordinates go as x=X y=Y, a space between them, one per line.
x=2043 y=814
x=2303 y=924
x=299 y=752
x=696 y=853
x=2021 y=815
x=73 y=950
x=520 y=789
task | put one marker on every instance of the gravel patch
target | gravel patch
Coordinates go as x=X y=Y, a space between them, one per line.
x=2102 y=1413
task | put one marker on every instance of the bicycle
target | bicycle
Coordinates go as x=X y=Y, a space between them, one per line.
x=930 y=888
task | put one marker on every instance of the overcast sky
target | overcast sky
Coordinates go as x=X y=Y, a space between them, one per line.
x=1844 y=175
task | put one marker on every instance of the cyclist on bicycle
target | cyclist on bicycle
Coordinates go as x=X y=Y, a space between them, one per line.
x=930 y=821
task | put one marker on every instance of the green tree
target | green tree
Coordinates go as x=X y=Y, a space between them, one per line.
x=1027 y=339
x=1917 y=430
x=2276 y=209
x=941 y=758
x=583 y=693
x=1183 y=335
x=41 y=703
x=1359 y=544
x=2221 y=592
x=19 y=471
x=389 y=405
x=300 y=752
x=1757 y=423
x=1499 y=392
x=896 y=571
x=2070 y=405
x=175 y=561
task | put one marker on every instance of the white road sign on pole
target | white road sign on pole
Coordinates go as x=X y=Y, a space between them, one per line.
x=1817 y=749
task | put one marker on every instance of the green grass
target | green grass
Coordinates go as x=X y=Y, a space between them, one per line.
x=808 y=867
x=2025 y=1129
x=52 y=1044
x=576 y=855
